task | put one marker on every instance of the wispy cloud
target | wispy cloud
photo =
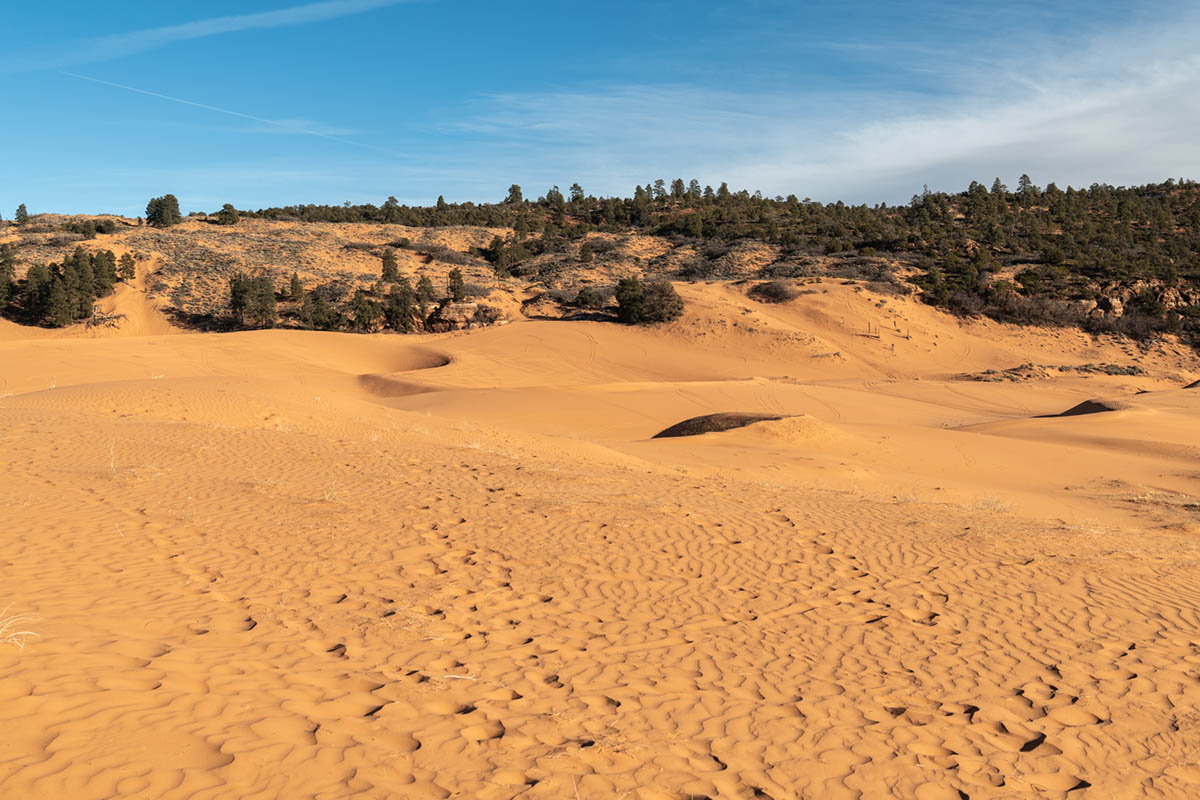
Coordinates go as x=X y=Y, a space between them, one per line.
x=290 y=126
x=301 y=127
x=1119 y=107
x=105 y=48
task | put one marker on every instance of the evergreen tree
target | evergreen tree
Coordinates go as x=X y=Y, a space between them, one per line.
x=678 y=190
x=646 y=303
x=660 y=302
x=8 y=274
x=514 y=195
x=318 y=314
x=425 y=292
x=455 y=286
x=400 y=307
x=441 y=204
x=163 y=212
x=58 y=310
x=391 y=269
x=261 y=307
x=228 y=215
x=295 y=289
x=586 y=254
x=127 y=270
x=390 y=210
x=576 y=193
x=104 y=271
x=629 y=300
x=22 y=215
x=364 y=311
x=84 y=291
x=240 y=286
x=36 y=295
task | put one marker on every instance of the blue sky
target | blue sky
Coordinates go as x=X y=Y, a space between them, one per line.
x=858 y=100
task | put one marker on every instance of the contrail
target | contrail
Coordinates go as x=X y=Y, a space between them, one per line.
x=276 y=123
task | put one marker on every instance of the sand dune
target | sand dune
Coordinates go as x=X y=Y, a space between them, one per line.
x=297 y=564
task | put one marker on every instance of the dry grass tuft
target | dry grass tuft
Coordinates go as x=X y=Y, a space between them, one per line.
x=11 y=628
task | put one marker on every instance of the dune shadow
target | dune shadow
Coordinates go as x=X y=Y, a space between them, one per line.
x=714 y=423
x=1088 y=407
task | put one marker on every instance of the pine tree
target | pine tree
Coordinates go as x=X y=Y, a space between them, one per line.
x=163 y=212
x=629 y=300
x=455 y=286
x=576 y=193
x=36 y=294
x=364 y=312
x=400 y=307
x=645 y=303
x=104 y=272
x=660 y=302
x=22 y=215
x=58 y=312
x=261 y=306
x=83 y=292
x=317 y=314
x=296 y=289
x=127 y=270
x=514 y=195
x=228 y=215
x=8 y=268
x=240 y=286
x=391 y=270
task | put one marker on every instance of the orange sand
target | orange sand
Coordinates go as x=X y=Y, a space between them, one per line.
x=286 y=564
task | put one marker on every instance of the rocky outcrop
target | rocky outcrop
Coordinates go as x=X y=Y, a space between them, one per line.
x=451 y=316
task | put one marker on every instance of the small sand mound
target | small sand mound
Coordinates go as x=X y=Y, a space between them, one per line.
x=797 y=429
x=1094 y=407
x=711 y=423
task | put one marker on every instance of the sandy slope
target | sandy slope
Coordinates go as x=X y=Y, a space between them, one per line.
x=290 y=564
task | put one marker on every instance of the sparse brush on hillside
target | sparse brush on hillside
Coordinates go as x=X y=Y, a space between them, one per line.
x=776 y=291
x=1104 y=258
x=1091 y=243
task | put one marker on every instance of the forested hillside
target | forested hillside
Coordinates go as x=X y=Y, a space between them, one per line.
x=1108 y=259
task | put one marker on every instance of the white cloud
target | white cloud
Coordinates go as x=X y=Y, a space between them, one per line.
x=1122 y=108
x=106 y=48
